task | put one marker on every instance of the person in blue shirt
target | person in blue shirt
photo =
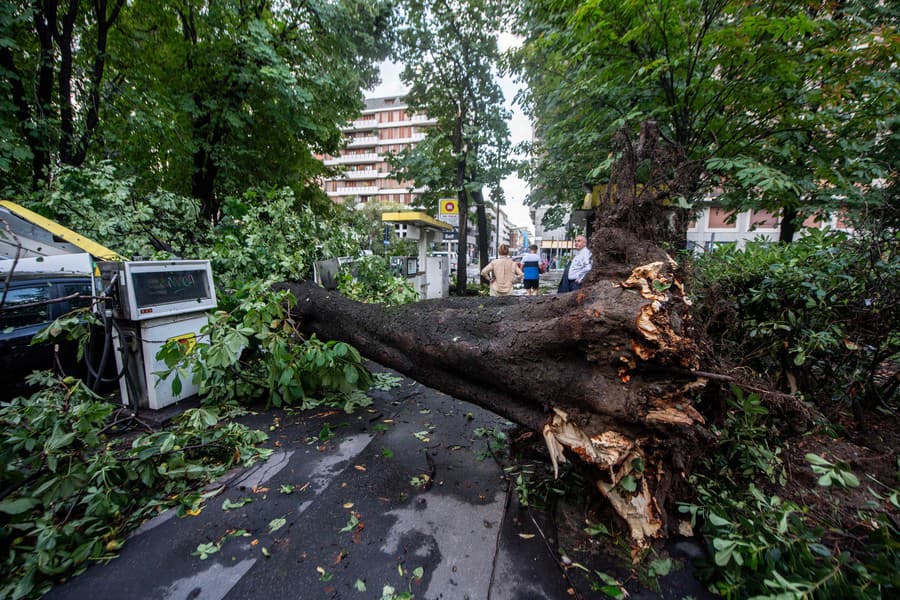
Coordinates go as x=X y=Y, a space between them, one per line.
x=531 y=267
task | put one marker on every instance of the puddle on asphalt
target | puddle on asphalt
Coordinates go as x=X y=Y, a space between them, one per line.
x=212 y=584
x=331 y=465
x=464 y=541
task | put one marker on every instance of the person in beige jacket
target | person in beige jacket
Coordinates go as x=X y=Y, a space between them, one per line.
x=502 y=272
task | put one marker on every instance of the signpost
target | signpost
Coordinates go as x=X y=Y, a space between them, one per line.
x=448 y=211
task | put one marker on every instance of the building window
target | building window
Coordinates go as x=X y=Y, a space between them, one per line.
x=762 y=219
x=718 y=219
x=813 y=221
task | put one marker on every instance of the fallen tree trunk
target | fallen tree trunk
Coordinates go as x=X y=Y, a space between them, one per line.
x=605 y=372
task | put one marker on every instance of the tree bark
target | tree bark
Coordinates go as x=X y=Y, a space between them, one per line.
x=483 y=237
x=604 y=373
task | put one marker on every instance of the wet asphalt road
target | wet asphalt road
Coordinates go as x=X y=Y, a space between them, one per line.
x=400 y=496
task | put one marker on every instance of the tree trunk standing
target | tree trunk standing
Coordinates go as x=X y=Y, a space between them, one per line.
x=603 y=373
x=483 y=236
x=203 y=175
x=789 y=218
x=40 y=140
x=462 y=247
x=462 y=250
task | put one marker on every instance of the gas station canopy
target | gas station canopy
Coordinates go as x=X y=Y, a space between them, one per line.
x=419 y=219
x=40 y=236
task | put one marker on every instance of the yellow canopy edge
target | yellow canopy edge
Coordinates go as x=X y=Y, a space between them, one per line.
x=413 y=217
x=90 y=246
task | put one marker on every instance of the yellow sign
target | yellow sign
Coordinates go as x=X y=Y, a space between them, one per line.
x=188 y=341
x=448 y=206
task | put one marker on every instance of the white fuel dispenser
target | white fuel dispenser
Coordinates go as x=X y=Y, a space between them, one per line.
x=155 y=302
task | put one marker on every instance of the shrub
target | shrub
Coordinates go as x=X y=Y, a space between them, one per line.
x=371 y=280
x=818 y=315
x=70 y=493
x=764 y=546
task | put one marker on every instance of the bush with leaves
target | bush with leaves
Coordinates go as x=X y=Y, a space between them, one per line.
x=819 y=315
x=254 y=351
x=370 y=279
x=262 y=235
x=99 y=204
x=764 y=546
x=274 y=237
x=69 y=493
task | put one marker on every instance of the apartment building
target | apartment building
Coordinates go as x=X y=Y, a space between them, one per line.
x=384 y=127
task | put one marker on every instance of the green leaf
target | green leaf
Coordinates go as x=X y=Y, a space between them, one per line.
x=815 y=459
x=168 y=443
x=359 y=586
x=227 y=504
x=716 y=520
x=661 y=567
x=18 y=506
x=59 y=439
x=276 y=524
x=176 y=385
x=849 y=479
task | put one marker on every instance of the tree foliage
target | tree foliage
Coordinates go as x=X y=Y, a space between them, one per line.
x=450 y=53
x=54 y=60
x=782 y=105
x=70 y=495
x=235 y=91
x=193 y=97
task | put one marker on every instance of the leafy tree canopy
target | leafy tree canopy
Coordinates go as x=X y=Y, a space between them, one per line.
x=782 y=105
x=450 y=53
x=199 y=98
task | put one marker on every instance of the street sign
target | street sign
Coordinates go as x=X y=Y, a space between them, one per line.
x=448 y=211
x=451 y=236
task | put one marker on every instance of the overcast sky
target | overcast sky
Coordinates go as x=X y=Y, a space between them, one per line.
x=519 y=126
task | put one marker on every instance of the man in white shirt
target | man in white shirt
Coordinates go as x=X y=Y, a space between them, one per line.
x=581 y=264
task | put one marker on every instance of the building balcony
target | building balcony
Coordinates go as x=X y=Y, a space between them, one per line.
x=413 y=139
x=406 y=123
x=366 y=174
x=361 y=124
x=371 y=140
x=356 y=191
x=353 y=159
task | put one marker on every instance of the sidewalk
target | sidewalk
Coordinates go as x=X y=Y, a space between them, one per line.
x=402 y=494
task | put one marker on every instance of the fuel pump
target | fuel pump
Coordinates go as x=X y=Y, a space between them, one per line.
x=152 y=303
